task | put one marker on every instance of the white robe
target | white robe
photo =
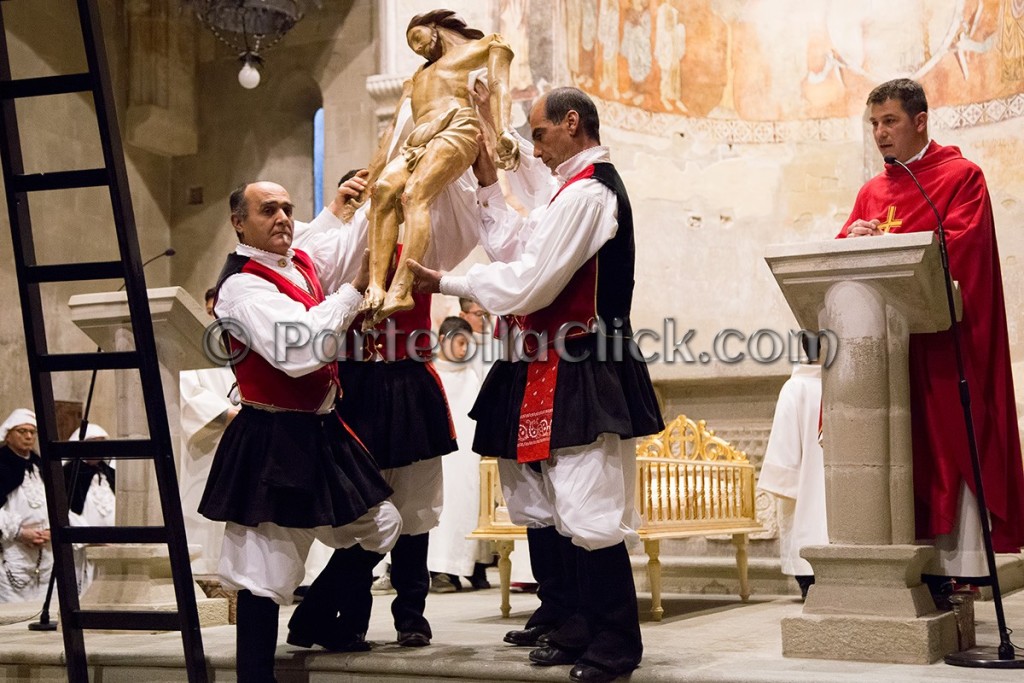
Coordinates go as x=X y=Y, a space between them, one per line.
x=449 y=550
x=25 y=508
x=98 y=510
x=204 y=405
x=794 y=469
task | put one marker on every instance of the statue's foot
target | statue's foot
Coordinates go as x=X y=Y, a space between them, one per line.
x=392 y=304
x=373 y=298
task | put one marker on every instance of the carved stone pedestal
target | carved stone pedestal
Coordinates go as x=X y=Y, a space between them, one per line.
x=139 y=577
x=868 y=603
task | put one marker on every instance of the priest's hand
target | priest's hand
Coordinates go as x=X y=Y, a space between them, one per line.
x=863 y=228
x=427 y=280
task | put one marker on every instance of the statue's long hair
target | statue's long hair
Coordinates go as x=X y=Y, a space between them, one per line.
x=445 y=18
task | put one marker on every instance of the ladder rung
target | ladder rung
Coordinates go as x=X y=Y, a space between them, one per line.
x=59 y=180
x=115 y=449
x=114 y=534
x=71 y=362
x=45 y=85
x=127 y=620
x=72 y=272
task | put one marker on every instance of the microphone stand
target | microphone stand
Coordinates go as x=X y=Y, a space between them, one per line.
x=1004 y=656
x=44 y=623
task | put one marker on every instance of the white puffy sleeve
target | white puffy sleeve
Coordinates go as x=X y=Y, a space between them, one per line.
x=565 y=236
x=335 y=246
x=281 y=329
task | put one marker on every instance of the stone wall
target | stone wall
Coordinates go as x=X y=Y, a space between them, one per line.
x=60 y=133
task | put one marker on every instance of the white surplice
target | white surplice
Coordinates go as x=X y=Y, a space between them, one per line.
x=204 y=406
x=98 y=510
x=794 y=470
x=449 y=551
x=28 y=566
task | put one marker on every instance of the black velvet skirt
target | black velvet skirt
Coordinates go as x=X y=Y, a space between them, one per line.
x=293 y=469
x=592 y=397
x=397 y=409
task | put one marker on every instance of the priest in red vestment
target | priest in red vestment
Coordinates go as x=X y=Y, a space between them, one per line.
x=944 y=488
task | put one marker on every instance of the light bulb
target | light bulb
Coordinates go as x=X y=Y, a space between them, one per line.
x=248 y=76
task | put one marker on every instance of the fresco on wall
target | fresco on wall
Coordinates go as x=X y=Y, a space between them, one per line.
x=775 y=69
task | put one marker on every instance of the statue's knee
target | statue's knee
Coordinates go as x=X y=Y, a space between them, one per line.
x=416 y=194
x=383 y=190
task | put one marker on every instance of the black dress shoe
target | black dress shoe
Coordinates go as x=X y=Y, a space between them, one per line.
x=528 y=636
x=549 y=655
x=413 y=639
x=587 y=673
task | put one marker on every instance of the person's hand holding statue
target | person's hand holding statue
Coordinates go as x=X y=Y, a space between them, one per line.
x=346 y=199
x=507 y=152
x=425 y=280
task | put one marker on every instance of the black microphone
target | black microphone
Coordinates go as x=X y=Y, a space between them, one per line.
x=165 y=252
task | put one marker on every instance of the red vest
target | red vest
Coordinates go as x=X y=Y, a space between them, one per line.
x=262 y=385
x=591 y=294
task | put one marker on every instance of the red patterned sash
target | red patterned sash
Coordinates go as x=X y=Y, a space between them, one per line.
x=538 y=407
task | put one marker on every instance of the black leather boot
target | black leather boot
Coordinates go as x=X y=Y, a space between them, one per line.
x=611 y=609
x=411 y=581
x=343 y=586
x=255 y=638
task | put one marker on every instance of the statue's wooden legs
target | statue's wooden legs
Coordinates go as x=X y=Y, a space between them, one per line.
x=384 y=220
x=441 y=164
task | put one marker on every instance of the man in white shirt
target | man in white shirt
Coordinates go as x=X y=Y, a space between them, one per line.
x=288 y=469
x=564 y=422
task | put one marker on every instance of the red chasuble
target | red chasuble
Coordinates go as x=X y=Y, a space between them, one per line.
x=941 y=455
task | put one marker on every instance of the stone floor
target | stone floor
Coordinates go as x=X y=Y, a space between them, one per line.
x=702 y=638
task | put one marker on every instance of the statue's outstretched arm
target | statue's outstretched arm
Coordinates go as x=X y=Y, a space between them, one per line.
x=499 y=59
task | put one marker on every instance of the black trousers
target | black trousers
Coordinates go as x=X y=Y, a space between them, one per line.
x=605 y=626
x=553 y=563
x=411 y=581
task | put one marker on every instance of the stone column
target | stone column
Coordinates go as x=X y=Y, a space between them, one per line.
x=868 y=602
x=161 y=114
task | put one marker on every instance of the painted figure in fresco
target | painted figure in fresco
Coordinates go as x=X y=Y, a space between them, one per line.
x=440 y=148
x=669 y=48
x=608 y=37
x=636 y=46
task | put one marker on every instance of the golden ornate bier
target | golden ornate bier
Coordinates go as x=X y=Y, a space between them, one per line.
x=689 y=482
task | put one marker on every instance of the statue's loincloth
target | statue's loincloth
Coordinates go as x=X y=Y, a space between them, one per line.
x=457 y=127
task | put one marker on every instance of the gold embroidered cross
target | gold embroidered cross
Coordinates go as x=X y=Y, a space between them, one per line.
x=890 y=221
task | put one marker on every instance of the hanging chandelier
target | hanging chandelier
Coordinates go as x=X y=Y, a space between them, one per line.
x=250 y=27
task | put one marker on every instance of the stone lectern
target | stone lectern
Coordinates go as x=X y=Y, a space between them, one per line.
x=868 y=602
x=130 y=576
